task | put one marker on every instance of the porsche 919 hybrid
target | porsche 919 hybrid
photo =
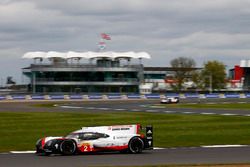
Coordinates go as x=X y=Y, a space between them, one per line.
x=122 y=138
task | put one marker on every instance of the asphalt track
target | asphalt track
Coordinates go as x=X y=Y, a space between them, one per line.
x=155 y=157
x=194 y=155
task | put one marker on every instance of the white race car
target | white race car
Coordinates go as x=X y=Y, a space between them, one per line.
x=170 y=100
x=123 y=138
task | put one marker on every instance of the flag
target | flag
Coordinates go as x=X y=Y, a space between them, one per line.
x=105 y=36
x=102 y=45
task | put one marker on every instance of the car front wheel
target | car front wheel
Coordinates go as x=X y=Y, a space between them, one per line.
x=68 y=147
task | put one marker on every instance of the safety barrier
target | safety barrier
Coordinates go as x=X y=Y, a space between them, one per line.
x=214 y=95
x=56 y=97
x=2 y=97
x=37 y=97
x=133 y=96
x=247 y=95
x=74 y=97
x=172 y=95
x=192 y=95
x=114 y=96
x=95 y=96
x=122 y=96
x=153 y=96
x=232 y=95
x=18 y=97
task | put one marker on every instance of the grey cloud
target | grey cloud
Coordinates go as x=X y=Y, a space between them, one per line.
x=203 y=30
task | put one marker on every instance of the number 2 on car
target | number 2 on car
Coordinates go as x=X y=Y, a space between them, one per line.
x=86 y=147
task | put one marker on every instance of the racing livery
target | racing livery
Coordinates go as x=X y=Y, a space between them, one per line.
x=123 y=138
x=170 y=100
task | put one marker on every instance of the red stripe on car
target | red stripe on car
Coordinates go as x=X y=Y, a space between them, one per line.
x=43 y=142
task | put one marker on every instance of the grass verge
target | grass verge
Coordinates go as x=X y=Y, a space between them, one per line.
x=20 y=130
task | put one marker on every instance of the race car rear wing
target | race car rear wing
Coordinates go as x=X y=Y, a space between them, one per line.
x=149 y=137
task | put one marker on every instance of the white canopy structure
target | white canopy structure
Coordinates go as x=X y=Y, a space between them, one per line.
x=86 y=55
x=34 y=55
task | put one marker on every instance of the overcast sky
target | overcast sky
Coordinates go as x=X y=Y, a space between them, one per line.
x=201 y=29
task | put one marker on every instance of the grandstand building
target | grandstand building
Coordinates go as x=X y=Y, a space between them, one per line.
x=104 y=72
x=239 y=76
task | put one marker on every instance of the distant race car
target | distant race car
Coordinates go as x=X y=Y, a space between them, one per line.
x=123 y=138
x=170 y=100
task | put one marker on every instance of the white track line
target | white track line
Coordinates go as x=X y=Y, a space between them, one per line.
x=91 y=108
x=135 y=110
x=207 y=113
x=158 y=148
x=152 y=111
x=120 y=109
x=71 y=107
x=22 y=152
x=169 y=111
x=224 y=146
x=228 y=114
x=104 y=108
x=188 y=112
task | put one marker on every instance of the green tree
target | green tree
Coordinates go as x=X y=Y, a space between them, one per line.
x=214 y=72
x=183 y=66
x=197 y=78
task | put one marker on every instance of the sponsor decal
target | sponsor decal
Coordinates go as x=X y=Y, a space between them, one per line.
x=85 y=147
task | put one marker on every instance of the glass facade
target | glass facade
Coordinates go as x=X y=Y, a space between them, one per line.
x=106 y=76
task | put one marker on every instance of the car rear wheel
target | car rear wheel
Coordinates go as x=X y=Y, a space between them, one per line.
x=135 y=145
x=68 y=147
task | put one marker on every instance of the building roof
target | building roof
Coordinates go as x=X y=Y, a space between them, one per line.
x=86 y=55
x=169 y=69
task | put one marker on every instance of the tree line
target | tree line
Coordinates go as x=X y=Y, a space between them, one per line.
x=212 y=76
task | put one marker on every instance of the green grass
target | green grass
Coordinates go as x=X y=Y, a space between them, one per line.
x=230 y=106
x=20 y=130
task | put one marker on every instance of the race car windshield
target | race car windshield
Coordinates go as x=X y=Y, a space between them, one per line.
x=87 y=136
x=73 y=135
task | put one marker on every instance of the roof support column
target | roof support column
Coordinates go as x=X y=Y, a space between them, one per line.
x=33 y=82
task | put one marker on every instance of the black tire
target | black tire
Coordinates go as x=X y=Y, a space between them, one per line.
x=135 y=145
x=68 y=147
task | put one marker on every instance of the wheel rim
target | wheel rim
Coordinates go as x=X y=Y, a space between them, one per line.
x=68 y=147
x=136 y=146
